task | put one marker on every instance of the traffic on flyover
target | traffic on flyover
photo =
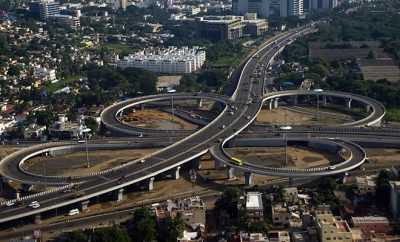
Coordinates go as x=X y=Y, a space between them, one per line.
x=246 y=102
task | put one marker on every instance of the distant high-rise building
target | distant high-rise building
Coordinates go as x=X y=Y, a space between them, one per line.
x=44 y=9
x=295 y=8
x=119 y=4
x=268 y=8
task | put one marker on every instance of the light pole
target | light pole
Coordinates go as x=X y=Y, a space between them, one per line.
x=318 y=91
x=285 y=129
x=86 y=131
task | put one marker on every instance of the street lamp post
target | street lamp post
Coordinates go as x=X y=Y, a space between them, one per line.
x=86 y=131
x=318 y=91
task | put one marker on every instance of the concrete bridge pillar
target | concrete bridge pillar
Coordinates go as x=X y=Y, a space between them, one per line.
x=248 y=178
x=348 y=103
x=276 y=102
x=84 y=205
x=324 y=101
x=142 y=106
x=119 y=195
x=200 y=103
x=295 y=100
x=151 y=184
x=17 y=194
x=368 y=108
x=231 y=173
x=176 y=173
x=38 y=219
x=270 y=104
x=196 y=164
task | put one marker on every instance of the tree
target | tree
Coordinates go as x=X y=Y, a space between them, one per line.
x=171 y=229
x=112 y=234
x=92 y=124
x=383 y=189
x=371 y=55
x=229 y=202
x=142 y=228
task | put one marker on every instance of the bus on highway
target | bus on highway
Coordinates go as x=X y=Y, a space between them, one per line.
x=237 y=161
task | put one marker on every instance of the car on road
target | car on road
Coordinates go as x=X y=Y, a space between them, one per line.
x=142 y=161
x=73 y=212
x=223 y=126
x=34 y=204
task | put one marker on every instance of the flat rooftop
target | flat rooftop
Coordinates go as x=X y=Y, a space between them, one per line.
x=254 y=200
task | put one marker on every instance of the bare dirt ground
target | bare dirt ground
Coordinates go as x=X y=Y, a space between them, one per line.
x=307 y=116
x=75 y=163
x=378 y=157
x=6 y=150
x=300 y=157
x=156 y=119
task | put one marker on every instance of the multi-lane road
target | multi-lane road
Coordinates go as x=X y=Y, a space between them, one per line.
x=239 y=111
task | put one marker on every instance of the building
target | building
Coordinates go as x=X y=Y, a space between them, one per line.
x=119 y=4
x=44 y=9
x=295 y=8
x=279 y=236
x=395 y=198
x=220 y=27
x=371 y=224
x=298 y=237
x=268 y=8
x=63 y=129
x=254 y=206
x=365 y=184
x=170 y=60
x=230 y=27
x=255 y=27
x=34 y=131
x=331 y=228
x=280 y=215
x=6 y=123
x=44 y=74
x=65 y=20
x=290 y=194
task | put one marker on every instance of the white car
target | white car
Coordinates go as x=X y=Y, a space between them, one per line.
x=142 y=161
x=10 y=203
x=73 y=212
x=34 y=204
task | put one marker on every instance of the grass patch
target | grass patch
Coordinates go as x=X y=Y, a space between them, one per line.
x=393 y=114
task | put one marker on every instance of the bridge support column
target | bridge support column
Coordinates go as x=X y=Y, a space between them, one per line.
x=270 y=104
x=17 y=194
x=200 y=103
x=196 y=163
x=248 y=178
x=368 y=108
x=324 y=101
x=119 y=195
x=142 y=106
x=290 y=181
x=231 y=173
x=38 y=219
x=348 y=103
x=295 y=100
x=276 y=102
x=151 y=184
x=84 y=205
x=176 y=173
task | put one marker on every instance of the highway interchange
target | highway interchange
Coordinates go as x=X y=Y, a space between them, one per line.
x=239 y=112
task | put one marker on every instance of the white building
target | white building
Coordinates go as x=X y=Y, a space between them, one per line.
x=6 y=123
x=254 y=206
x=44 y=73
x=171 y=60
x=267 y=8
